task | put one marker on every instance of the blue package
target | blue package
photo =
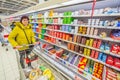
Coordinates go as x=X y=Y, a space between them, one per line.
x=63 y=28
x=66 y=29
x=107 y=47
x=102 y=46
x=118 y=24
x=69 y=29
x=104 y=57
x=103 y=23
x=100 y=56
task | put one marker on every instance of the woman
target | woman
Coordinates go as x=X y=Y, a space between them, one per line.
x=22 y=34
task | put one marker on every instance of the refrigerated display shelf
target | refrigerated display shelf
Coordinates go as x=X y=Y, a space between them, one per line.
x=96 y=60
x=63 y=69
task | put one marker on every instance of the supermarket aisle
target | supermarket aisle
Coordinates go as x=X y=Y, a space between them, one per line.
x=79 y=40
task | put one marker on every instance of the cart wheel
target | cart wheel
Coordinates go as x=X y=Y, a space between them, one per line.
x=6 y=49
x=2 y=44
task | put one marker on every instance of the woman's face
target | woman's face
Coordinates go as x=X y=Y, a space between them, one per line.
x=25 y=22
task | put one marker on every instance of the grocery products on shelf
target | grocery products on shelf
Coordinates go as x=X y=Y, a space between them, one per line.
x=112 y=74
x=83 y=39
x=39 y=73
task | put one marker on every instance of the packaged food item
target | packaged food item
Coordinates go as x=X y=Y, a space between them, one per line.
x=88 y=52
x=69 y=44
x=98 y=70
x=103 y=34
x=77 y=48
x=81 y=50
x=87 y=42
x=91 y=31
x=112 y=74
x=75 y=38
x=82 y=63
x=67 y=37
x=95 y=32
x=91 y=42
x=96 y=54
x=92 y=53
x=110 y=60
x=117 y=62
x=115 y=48
x=98 y=43
x=73 y=47
x=94 y=43
x=100 y=56
x=79 y=39
x=88 y=31
x=85 y=51
x=83 y=41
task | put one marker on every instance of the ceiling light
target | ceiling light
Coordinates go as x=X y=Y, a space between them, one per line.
x=74 y=2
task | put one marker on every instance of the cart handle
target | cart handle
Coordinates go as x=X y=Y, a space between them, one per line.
x=24 y=45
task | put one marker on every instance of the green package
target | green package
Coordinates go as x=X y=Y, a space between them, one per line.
x=43 y=31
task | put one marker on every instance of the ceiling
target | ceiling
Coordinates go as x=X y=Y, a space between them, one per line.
x=8 y=7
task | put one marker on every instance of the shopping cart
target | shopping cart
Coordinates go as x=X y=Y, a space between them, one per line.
x=29 y=54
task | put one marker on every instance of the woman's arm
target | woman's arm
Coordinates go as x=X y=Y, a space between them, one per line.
x=33 y=37
x=12 y=37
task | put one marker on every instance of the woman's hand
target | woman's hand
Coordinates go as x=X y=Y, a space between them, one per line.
x=36 y=43
x=17 y=47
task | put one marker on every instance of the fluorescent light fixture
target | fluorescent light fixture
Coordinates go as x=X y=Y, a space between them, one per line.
x=74 y=2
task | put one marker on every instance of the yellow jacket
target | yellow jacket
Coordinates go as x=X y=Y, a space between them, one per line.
x=17 y=36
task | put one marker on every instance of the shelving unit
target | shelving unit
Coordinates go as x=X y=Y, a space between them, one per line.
x=79 y=34
x=65 y=47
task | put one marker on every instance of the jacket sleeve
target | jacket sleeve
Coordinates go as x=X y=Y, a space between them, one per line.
x=33 y=36
x=12 y=36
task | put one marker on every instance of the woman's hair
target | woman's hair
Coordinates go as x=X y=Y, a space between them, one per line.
x=24 y=17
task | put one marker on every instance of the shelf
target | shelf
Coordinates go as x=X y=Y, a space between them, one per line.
x=79 y=16
x=37 y=53
x=109 y=53
x=95 y=26
x=96 y=60
x=65 y=70
x=76 y=68
x=107 y=15
x=92 y=36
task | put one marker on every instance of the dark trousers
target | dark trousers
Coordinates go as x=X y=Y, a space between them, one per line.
x=24 y=54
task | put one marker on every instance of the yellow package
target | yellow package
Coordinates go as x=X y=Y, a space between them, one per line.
x=85 y=51
x=87 y=42
x=80 y=29
x=91 y=42
x=88 y=52
x=51 y=13
x=49 y=74
x=40 y=36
